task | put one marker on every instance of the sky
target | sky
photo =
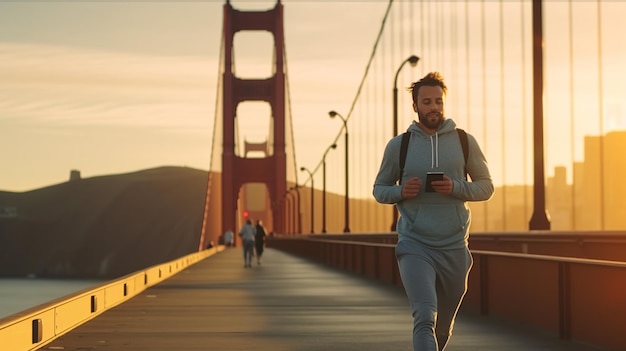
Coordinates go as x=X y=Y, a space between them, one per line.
x=108 y=87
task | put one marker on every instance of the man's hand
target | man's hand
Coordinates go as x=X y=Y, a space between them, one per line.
x=411 y=188
x=442 y=186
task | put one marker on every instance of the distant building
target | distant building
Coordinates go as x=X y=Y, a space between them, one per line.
x=74 y=175
x=593 y=200
x=559 y=200
x=613 y=174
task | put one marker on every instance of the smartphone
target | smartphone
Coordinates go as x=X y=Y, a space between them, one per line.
x=430 y=176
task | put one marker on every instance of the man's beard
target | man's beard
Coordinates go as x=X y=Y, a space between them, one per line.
x=428 y=122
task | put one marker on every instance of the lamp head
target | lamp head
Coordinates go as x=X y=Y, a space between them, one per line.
x=413 y=60
x=333 y=114
x=302 y=169
x=334 y=146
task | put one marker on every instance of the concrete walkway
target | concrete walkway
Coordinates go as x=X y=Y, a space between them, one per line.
x=287 y=303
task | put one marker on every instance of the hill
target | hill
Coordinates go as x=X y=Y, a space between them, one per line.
x=102 y=227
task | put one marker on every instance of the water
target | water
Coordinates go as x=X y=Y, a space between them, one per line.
x=17 y=295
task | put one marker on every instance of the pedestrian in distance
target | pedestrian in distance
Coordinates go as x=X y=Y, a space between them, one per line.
x=259 y=241
x=228 y=238
x=247 y=234
x=433 y=228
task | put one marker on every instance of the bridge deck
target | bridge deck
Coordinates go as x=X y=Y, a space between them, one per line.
x=287 y=303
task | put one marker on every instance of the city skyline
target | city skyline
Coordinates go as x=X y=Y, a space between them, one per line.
x=585 y=205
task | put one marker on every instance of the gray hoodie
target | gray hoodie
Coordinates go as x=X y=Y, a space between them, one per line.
x=247 y=232
x=433 y=219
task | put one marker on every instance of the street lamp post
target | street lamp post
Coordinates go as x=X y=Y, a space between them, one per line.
x=539 y=219
x=295 y=213
x=346 y=228
x=288 y=211
x=333 y=146
x=304 y=169
x=413 y=61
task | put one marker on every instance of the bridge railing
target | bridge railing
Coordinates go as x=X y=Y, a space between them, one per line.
x=35 y=327
x=602 y=245
x=578 y=299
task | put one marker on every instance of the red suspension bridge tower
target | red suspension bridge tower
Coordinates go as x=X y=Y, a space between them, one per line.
x=238 y=169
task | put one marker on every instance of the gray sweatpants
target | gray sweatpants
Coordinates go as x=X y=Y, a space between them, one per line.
x=435 y=282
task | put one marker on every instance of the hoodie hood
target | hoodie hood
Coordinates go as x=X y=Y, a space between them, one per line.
x=447 y=126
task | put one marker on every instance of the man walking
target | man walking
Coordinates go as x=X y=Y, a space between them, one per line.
x=433 y=229
x=247 y=234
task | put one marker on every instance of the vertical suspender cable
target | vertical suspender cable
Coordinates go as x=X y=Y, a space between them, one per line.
x=440 y=41
x=572 y=113
x=379 y=102
x=290 y=127
x=440 y=36
x=442 y=20
x=455 y=53
x=484 y=97
x=381 y=91
x=411 y=28
x=422 y=39
x=483 y=36
x=524 y=109
x=360 y=162
x=467 y=63
x=601 y=114
x=401 y=42
x=379 y=214
x=366 y=144
x=502 y=117
x=428 y=34
x=392 y=42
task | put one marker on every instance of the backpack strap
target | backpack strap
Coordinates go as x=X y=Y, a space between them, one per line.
x=405 y=145
x=403 y=150
x=464 y=146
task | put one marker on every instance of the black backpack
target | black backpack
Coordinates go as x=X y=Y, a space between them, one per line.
x=405 y=145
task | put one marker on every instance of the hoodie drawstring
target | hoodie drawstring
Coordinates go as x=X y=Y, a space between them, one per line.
x=434 y=151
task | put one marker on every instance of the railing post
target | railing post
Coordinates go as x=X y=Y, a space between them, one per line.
x=564 y=301
x=484 y=285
